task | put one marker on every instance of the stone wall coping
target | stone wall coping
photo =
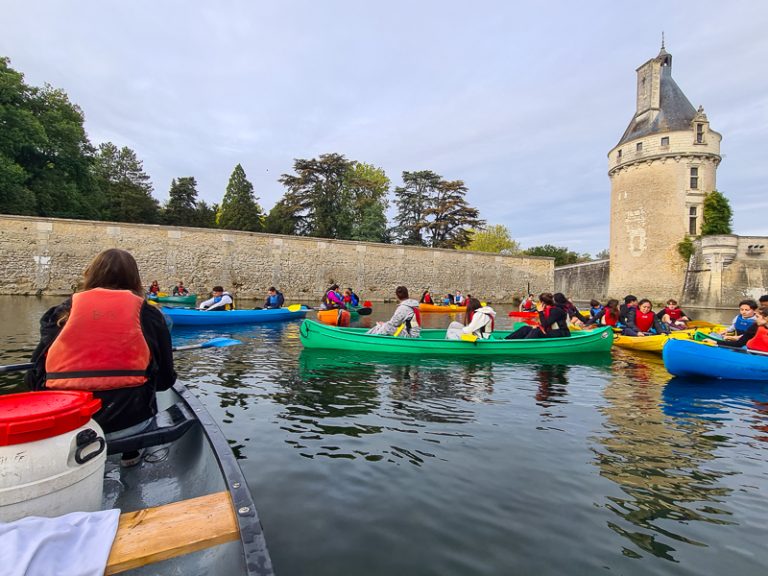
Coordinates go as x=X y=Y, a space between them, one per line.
x=579 y=264
x=38 y=219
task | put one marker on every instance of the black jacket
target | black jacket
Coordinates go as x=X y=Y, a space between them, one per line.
x=743 y=338
x=122 y=407
x=557 y=314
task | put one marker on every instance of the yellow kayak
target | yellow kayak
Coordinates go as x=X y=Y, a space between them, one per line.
x=451 y=308
x=653 y=343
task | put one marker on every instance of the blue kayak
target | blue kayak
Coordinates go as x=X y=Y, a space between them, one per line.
x=188 y=317
x=691 y=359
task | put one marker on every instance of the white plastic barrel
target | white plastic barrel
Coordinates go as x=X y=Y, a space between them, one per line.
x=52 y=455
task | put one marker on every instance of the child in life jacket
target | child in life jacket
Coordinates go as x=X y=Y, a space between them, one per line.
x=221 y=301
x=608 y=315
x=673 y=316
x=642 y=321
x=742 y=322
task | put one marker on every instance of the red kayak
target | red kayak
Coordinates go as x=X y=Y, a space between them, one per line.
x=515 y=314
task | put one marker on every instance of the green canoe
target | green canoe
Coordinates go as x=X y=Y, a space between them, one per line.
x=316 y=335
x=189 y=300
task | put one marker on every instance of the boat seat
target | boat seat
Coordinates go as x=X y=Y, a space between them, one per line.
x=167 y=426
x=155 y=534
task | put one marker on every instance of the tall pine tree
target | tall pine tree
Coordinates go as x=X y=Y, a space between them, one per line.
x=126 y=188
x=239 y=208
x=182 y=207
x=413 y=200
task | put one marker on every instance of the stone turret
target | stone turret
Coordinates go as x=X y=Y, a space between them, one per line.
x=660 y=171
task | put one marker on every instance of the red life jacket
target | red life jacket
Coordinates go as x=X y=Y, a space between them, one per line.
x=644 y=321
x=609 y=319
x=760 y=341
x=102 y=346
x=427 y=299
x=674 y=315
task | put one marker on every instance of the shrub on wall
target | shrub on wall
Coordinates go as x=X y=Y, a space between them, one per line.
x=685 y=248
x=718 y=215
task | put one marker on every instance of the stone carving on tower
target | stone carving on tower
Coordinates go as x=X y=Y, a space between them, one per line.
x=662 y=168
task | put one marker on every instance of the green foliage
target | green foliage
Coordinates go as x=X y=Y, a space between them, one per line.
x=205 y=216
x=433 y=212
x=685 y=248
x=181 y=208
x=239 y=208
x=125 y=187
x=718 y=216
x=493 y=238
x=282 y=219
x=45 y=155
x=317 y=201
x=561 y=255
x=603 y=254
x=366 y=188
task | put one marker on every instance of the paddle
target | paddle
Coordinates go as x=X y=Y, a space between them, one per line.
x=469 y=337
x=212 y=343
x=364 y=311
x=700 y=324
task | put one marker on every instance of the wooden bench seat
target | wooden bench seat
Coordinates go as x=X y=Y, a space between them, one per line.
x=163 y=532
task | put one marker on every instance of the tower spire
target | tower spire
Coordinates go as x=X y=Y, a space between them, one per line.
x=662 y=40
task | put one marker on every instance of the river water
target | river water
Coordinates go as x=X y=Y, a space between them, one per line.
x=397 y=465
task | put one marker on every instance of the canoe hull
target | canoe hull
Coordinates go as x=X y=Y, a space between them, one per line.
x=690 y=359
x=653 y=343
x=185 y=317
x=432 y=342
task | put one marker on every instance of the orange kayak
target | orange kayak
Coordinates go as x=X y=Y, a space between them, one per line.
x=334 y=317
x=450 y=309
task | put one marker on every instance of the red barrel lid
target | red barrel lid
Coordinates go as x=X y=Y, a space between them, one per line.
x=31 y=416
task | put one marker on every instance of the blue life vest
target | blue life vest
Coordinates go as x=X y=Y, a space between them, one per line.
x=742 y=324
x=274 y=300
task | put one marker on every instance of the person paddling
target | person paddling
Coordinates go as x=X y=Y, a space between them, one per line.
x=274 y=299
x=405 y=322
x=220 y=301
x=332 y=299
x=107 y=340
x=553 y=321
x=180 y=289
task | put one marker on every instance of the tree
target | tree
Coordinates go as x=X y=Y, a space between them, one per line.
x=182 y=207
x=367 y=186
x=45 y=155
x=494 y=238
x=239 y=208
x=718 y=216
x=205 y=216
x=450 y=217
x=317 y=200
x=561 y=255
x=603 y=254
x=282 y=219
x=125 y=187
x=413 y=199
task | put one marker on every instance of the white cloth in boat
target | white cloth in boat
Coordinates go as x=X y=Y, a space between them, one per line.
x=482 y=318
x=74 y=544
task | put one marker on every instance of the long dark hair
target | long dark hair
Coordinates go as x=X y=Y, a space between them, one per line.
x=472 y=305
x=613 y=306
x=113 y=269
x=546 y=298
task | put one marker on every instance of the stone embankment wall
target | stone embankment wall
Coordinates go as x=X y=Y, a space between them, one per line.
x=48 y=256
x=585 y=281
x=726 y=269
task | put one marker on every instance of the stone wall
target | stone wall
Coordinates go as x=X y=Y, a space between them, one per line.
x=48 y=256
x=726 y=269
x=582 y=282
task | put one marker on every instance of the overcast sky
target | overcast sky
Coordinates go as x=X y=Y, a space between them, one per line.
x=520 y=101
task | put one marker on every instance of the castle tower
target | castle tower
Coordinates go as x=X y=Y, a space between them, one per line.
x=660 y=171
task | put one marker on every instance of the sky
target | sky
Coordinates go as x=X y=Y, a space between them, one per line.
x=521 y=101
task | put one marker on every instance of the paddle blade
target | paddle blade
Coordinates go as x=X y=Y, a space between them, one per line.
x=367 y=303
x=212 y=343
x=294 y=307
x=364 y=311
x=700 y=324
x=469 y=337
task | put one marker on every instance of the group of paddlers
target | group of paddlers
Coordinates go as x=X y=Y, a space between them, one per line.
x=450 y=299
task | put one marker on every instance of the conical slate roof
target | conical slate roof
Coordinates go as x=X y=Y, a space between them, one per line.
x=676 y=112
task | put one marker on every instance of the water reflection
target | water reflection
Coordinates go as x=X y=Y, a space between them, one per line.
x=662 y=465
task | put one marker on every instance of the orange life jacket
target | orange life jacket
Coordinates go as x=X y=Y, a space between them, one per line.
x=102 y=346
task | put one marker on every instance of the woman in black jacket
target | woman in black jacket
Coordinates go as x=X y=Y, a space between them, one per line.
x=553 y=321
